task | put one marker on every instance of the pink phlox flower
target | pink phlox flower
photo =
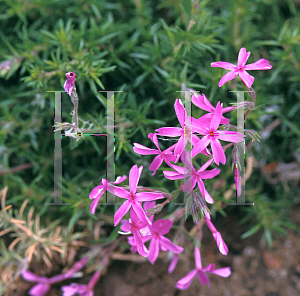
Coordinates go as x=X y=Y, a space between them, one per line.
x=45 y=283
x=185 y=132
x=69 y=83
x=144 y=230
x=98 y=191
x=186 y=281
x=211 y=135
x=82 y=290
x=133 y=198
x=241 y=68
x=194 y=176
x=133 y=225
x=158 y=229
x=217 y=236
x=203 y=103
x=165 y=155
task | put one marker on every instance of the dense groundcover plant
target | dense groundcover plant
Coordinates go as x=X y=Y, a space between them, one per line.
x=149 y=49
x=142 y=203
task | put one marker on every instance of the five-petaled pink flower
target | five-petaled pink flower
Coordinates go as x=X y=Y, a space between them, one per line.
x=158 y=241
x=194 y=176
x=186 y=281
x=162 y=155
x=211 y=134
x=98 y=191
x=185 y=131
x=69 y=83
x=133 y=198
x=133 y=225
x=241 y=68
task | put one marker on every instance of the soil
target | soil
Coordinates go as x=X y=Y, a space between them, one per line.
x=256 y=269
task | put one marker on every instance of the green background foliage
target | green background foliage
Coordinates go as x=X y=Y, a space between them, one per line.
x=145 y=49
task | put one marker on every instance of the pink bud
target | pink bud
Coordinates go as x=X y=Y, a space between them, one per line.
x=69 y=83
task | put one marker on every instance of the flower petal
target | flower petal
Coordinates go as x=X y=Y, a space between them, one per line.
x=224 y=272
x=169 y=131
x=39 y=290
x=162 y=226
x=203 y=278
x=230 y=136
x=243 y=57
x=261 y=64
x=122 y=210
x=31 y=277
x=216 y=118
x=140 y=213
x=186 y=281
x=94 y=205
x=143 y=150
x=246 y=78
x=134 y=176
x=218 y=152
x=170 y=246
x=227 y=77
x=197 y=258
x=148 y=196
x=180 y=111
x=224 y=65
x=156 y=163
x=153 y=250
x=202 y=144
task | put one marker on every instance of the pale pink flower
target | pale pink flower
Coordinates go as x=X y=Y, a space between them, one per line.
x=186 y=281
x=241 y=68
x=69 y=83
x=217 y=236
x=133 y=198
x=98 y=191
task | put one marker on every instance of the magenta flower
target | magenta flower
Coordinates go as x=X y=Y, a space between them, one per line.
x=185 y=132
x=82 y=290
x=98 y=191
x=133 y=198
x=211 y=134
x=194 y=176
x=186 y=281
x=45 y=283
x=69 y=83
x=217 y=236
x=203 y=103
x=162 y=156
x=241 y=68
x=158 y=229
x=133 y=225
